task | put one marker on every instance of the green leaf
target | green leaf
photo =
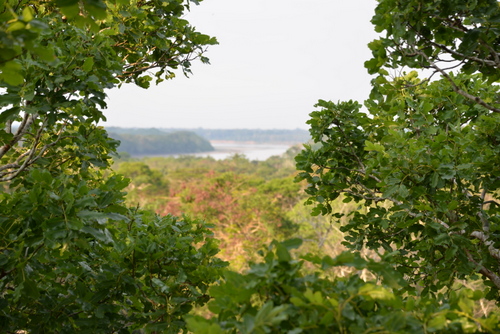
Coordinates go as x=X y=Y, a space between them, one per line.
x=292 y=243
x=28 y=14
x=88 y=64
x=369 y=146
x=403 y=191
x=200 y=325
x=437 y=322
x=391 y=190
x=376 y=292
x=69 y=8
x=30 y=289
x=11 y=73
x=283 y=253
x=452 y=205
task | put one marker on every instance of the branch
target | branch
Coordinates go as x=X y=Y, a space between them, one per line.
x=485 y=271
x=455 y=88
x=463 y=56
x=28 y=161
x=21 y=131
x=495 y=252
x=482 y=218
x=458 y=26
x=31 y=156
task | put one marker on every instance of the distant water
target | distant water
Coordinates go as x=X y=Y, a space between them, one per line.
x=259 y=152
x=224 y=150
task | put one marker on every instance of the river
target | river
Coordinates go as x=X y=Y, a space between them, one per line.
x=223 y=150
x=251 y=151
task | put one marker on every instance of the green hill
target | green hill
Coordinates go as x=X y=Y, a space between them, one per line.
x=156 y=142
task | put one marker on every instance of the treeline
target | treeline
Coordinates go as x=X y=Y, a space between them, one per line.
x=295 y=136
x=152 y=141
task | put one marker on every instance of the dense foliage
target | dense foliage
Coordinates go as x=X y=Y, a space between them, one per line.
x=425 y=161
x=163 y=143
x=56 y=63
x=73 y=257
x=276 y=295
x=440 y=36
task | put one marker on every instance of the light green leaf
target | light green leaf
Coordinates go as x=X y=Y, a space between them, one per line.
x=88 y=64
x=28 y=14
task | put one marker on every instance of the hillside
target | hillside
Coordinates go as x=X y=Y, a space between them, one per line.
x=152 y=141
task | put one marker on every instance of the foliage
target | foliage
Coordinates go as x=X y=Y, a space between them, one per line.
x=145 y=184
x=179 y=142
x=246 y=210
x=56 y=63
x=275 y=296
x=73 y=257
x=424 y=161
x=440 y=36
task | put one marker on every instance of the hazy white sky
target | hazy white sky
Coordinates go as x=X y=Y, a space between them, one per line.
x=275 y=59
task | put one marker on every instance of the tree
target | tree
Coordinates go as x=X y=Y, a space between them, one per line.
x=57 y=62
x=424 y=160
x=439 y=36
x=73 y=257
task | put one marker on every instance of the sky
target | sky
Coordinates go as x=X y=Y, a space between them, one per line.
x=274 y=61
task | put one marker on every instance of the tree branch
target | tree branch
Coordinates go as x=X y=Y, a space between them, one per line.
x=454 y=86
x=495 y=252
x=29 y=157
x=494 y=278
x=28 y=119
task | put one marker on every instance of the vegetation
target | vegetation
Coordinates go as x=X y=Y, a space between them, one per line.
x=73 y=257
x=425 y=162
x=412 y=183
x=422 y=166
x=248 y=202
x=276 y=295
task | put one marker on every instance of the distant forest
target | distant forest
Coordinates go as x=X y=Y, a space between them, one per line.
x=152 y=141
x=275 y=136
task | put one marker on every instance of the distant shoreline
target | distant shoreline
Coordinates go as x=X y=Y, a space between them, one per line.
x=253 y=142
x=225 y=149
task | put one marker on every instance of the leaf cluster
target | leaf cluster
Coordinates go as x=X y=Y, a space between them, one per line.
x=275 y=296
x=424 y=165
x=73 y=258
